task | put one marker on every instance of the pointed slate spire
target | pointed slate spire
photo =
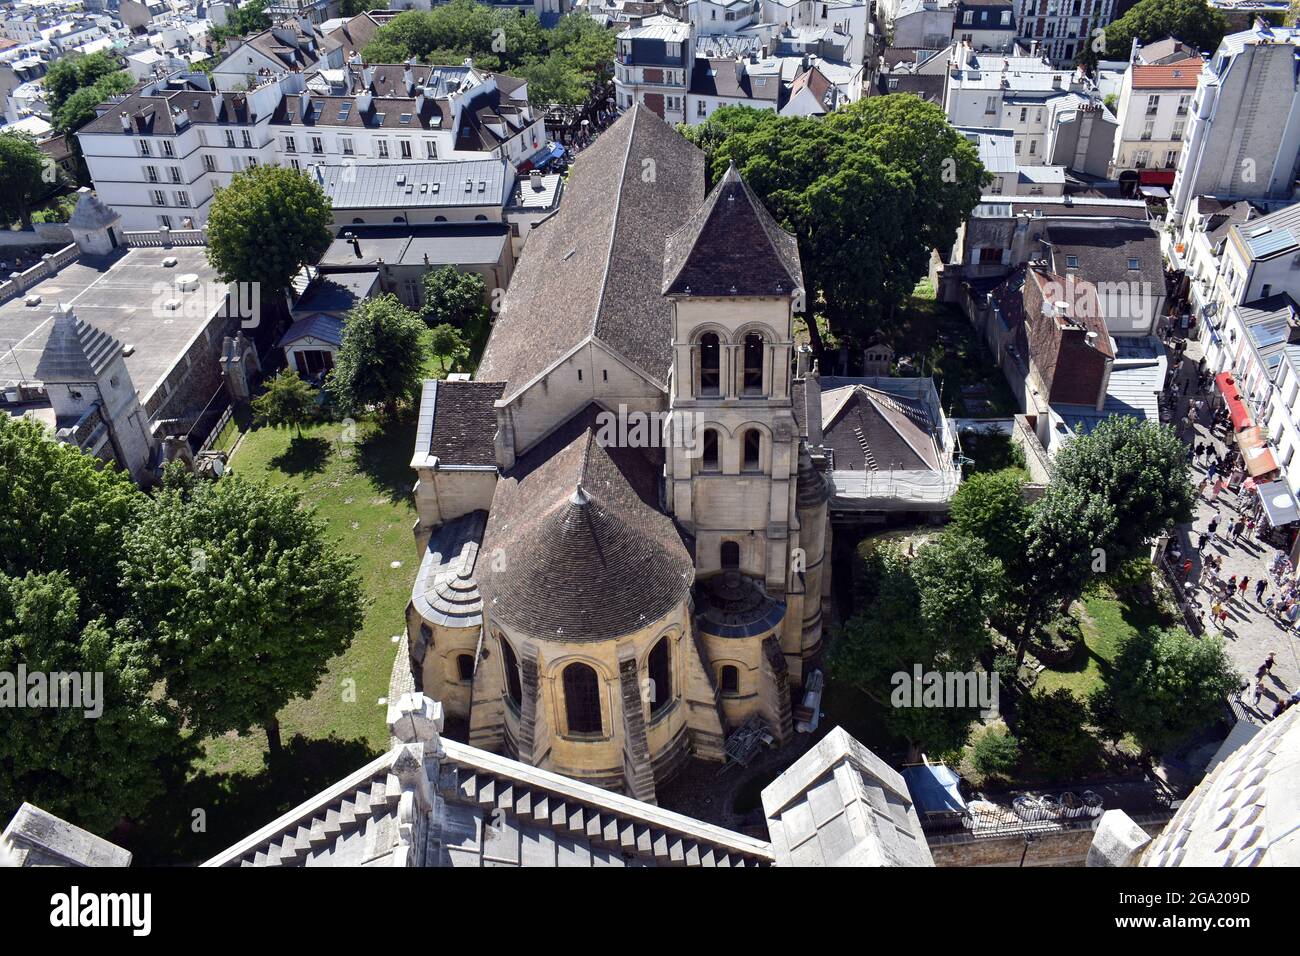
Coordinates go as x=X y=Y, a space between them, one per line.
x=731 y=247
x=73 y=350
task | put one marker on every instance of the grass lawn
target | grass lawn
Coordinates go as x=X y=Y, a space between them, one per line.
x=361 y=488
x=1106 y=620
x=360 y=484
x=942 y=342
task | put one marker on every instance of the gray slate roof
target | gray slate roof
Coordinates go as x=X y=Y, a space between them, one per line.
x=595 y=267
x=91 y=213
x=458 y=422
x=71 y=350
x=327 y=328
x=585 y=552
x=415 y=185
x=732 y=246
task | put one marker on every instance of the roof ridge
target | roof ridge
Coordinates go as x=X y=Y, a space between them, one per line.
x=613 y=223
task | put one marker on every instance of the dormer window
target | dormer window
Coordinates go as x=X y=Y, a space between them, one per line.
x=1134 y=264
x=1071 y=262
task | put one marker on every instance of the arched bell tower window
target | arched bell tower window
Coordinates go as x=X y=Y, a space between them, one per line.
x=465 y=667
x=659 y=670
x=582 y=699
x=508 y=661
x=709 y=453
x=710 y=364
x=730 y=555
x=753 y=445
x=753 y=383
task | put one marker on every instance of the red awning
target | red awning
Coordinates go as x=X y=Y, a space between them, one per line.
x=1156 y=177
x=1236 y=407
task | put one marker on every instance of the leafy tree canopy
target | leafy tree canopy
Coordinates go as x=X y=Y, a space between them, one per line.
x=1164 y=686
x=868 y=191
x=244 y=596
x=287 y=401
x=931 y=610
x=1141 y=470
x=77 y=71
x=266 y=225
x=1194 y=22
x=562 y=64
x=96 y=765
x=241 y=22
x=381 y=360
x=61 y=510
x=25 y=177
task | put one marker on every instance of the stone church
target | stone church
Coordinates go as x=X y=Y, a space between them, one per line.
x=597 y=597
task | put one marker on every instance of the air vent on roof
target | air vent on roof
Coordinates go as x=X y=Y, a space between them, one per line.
x=401 y=179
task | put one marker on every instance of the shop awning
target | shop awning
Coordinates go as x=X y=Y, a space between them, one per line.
x=1254 y=449
x=1154 y=192
x=1156 y=177
x=1236 y=407
x=1279 y=504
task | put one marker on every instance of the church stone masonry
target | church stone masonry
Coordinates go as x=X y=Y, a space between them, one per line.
x=603 y=611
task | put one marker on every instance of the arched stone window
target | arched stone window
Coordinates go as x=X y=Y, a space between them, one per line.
x=582 y=699
x=659 y=670
x=508 y=661
x=730 y=555
x=753 y=445
x=465 y=667
x=753 y=382
x=710 y=364
x=709 y=453
x=729 y=679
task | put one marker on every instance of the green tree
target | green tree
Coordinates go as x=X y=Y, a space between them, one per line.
x=1164 y=686
x=79 y=108
x=991 y=507
x=92 y=766
x=868 y=191
x=447 y=342
x=381 y=358
x=25 y=178
x=1141 y=470
x=287 y=401
x=1050 y=726
x=241 y=22
x=453 y=296
x=995 y=752
x=266 y=225
x=61 y=510
x=78 y=71
x=245 y=597
x=1194 y=22
x=930 y=610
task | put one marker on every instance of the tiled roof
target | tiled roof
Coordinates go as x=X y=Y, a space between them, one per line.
x=1103 y=251
x=1244 y=812
x=71 y=350
x=595 y=268
x=1169 y=76
x=446 y=589
x=458 y=422
x=871 y=430
x=732 y=246
x=327 y=328
x=585 y=552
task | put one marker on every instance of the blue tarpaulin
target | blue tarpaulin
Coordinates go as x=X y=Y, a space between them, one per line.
x=934 y=789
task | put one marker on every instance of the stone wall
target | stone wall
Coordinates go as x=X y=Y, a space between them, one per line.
x=1054 y=848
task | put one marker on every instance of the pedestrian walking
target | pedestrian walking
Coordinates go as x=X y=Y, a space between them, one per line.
x=1238 y=527
x=1187 y=568
x=1201 y=540
x=1213 y=526
x=1241 y=588
x=1216 y=609
x=1260 y=587
x=1267 y=667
